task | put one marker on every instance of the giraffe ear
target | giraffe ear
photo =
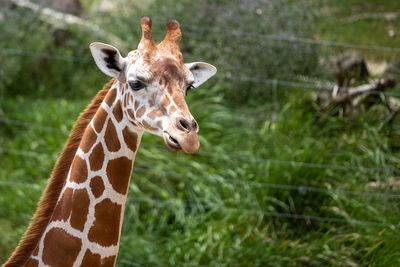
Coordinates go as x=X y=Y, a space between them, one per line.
x=107 y=58
x=201 y=71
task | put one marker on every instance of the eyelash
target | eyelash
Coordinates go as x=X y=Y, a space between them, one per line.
x=136 y=85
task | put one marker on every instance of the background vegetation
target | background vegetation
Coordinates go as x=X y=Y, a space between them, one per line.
x=276 y=183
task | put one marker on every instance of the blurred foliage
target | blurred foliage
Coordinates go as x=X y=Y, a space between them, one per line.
x=36 y=65
x=198 y=208
x=351 y=21
x=235 y=30
x=212 y=32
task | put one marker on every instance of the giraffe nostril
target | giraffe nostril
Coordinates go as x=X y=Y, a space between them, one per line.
x=195 y=126
x=184 y=124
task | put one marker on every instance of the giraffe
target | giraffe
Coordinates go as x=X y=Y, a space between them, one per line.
x=79 y=217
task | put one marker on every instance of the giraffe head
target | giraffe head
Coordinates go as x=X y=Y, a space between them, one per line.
x=153 y=83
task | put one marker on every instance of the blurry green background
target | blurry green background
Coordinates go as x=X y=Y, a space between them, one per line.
x=275 y=183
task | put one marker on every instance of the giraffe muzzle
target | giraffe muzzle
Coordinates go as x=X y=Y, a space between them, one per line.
x=189 y=143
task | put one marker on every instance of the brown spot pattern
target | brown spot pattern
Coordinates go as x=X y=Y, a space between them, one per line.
x=60 y=248
x=64 y=206
x=96 y=159
x=110 y=98
x=97 y=186
x=169 y=69
x=88 y=139
x=165 y=101
x=140 y=112
x=32 y=263
x=180 y=102
x=118 y=173
x=36 y=251
x=105 y=229
x=111 y=138
x=91 y=259
x=172 y=109
x=80 y=208
x=130 y=139
x=151 y=101
x=118 y=111
x=156 y=113
x=79 y=170
x=136 y=105
x=147 y=126
x=99 y=119
x=131 y=115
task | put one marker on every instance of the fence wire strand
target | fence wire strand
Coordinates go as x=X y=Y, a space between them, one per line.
x=217 y=155
x=264 y=80
x=295 y=39
x=225 y=208
x=301 y=189
x=265 y=213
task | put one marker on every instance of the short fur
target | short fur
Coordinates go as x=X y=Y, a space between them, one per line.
x=57 y=180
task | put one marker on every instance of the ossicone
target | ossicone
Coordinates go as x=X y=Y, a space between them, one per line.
x=174 y=35
x=147 y=39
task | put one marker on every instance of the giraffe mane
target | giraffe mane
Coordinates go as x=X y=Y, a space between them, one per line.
x=48 y=201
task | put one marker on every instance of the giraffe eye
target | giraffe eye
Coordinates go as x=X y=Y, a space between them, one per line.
x=189 y=88
x=136 y=85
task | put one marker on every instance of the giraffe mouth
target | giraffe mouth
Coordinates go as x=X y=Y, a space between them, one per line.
x=171 y=142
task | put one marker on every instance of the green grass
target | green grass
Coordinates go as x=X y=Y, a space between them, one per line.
x=333 y=24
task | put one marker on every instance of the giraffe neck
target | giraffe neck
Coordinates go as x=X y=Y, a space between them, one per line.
x=85 y=227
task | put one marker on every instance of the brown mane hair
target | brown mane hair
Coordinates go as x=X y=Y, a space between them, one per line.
x=57 y=180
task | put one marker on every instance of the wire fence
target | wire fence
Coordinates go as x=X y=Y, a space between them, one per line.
x=301 y=189
x=254 y=34
x=19 y=52
x=225 y=208
x=288 y=85
x=247 y=34
x=209 y=154
x=296 y=39
x=265 y=213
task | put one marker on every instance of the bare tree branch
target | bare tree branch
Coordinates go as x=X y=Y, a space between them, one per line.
x=386 y=16
x=62 y=20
